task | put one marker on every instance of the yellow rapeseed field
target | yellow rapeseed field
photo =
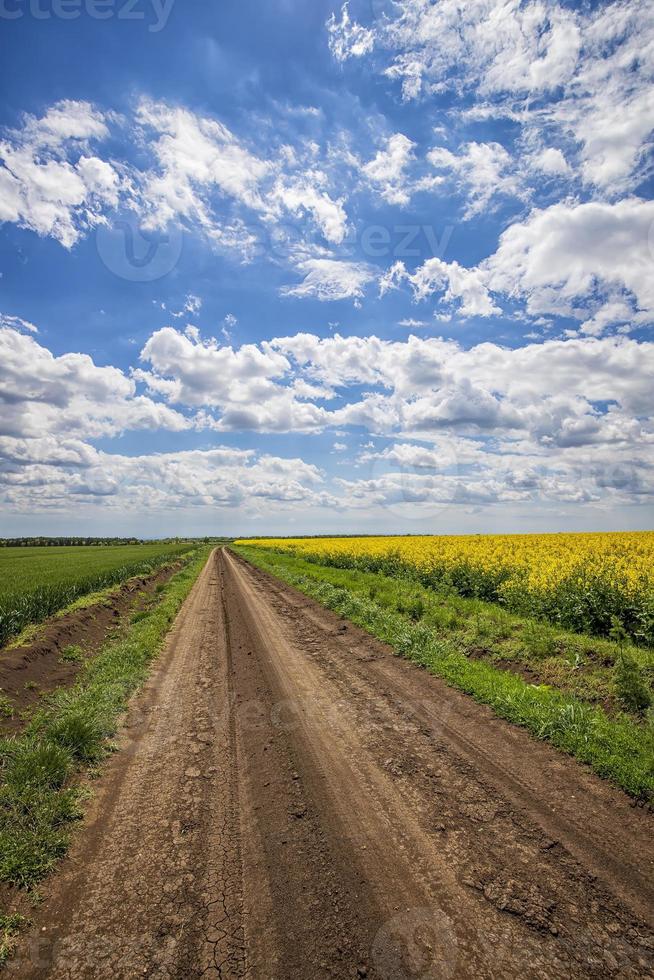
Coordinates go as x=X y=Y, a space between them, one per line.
x=583 y=580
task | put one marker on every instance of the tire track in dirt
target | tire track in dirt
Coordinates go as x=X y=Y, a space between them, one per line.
x=293 y=801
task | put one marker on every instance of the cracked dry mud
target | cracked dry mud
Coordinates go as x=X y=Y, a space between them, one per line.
x=293 y=801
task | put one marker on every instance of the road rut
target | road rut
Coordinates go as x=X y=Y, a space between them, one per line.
x=293 y=801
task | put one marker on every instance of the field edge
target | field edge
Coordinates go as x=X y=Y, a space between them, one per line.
x=42 y=789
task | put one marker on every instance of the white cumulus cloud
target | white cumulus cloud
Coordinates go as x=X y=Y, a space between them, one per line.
x=331 y=279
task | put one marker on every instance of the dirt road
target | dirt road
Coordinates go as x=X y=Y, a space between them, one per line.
x=292 y=801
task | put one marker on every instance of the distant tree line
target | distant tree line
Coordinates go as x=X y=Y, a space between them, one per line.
x=45 y=542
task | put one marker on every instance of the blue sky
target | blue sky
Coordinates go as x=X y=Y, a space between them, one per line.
x=304 y=267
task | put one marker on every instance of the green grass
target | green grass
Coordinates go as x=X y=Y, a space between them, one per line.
x=6 y=706
x=10 y=926
x=40 y=795
x=560 y=686
x=37 y=582
x=72 y=654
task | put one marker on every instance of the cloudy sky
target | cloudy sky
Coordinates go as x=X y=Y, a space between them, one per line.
x=296 y=266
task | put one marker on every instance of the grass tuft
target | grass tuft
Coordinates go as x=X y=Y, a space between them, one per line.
x=6 y=706
x=630 y=684
x=79 y=731
x=31 y=764
x=10 y=926
x=72 y=654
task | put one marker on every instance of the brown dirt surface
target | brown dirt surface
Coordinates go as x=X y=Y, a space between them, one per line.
x=34 y=668
x=294 y=801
